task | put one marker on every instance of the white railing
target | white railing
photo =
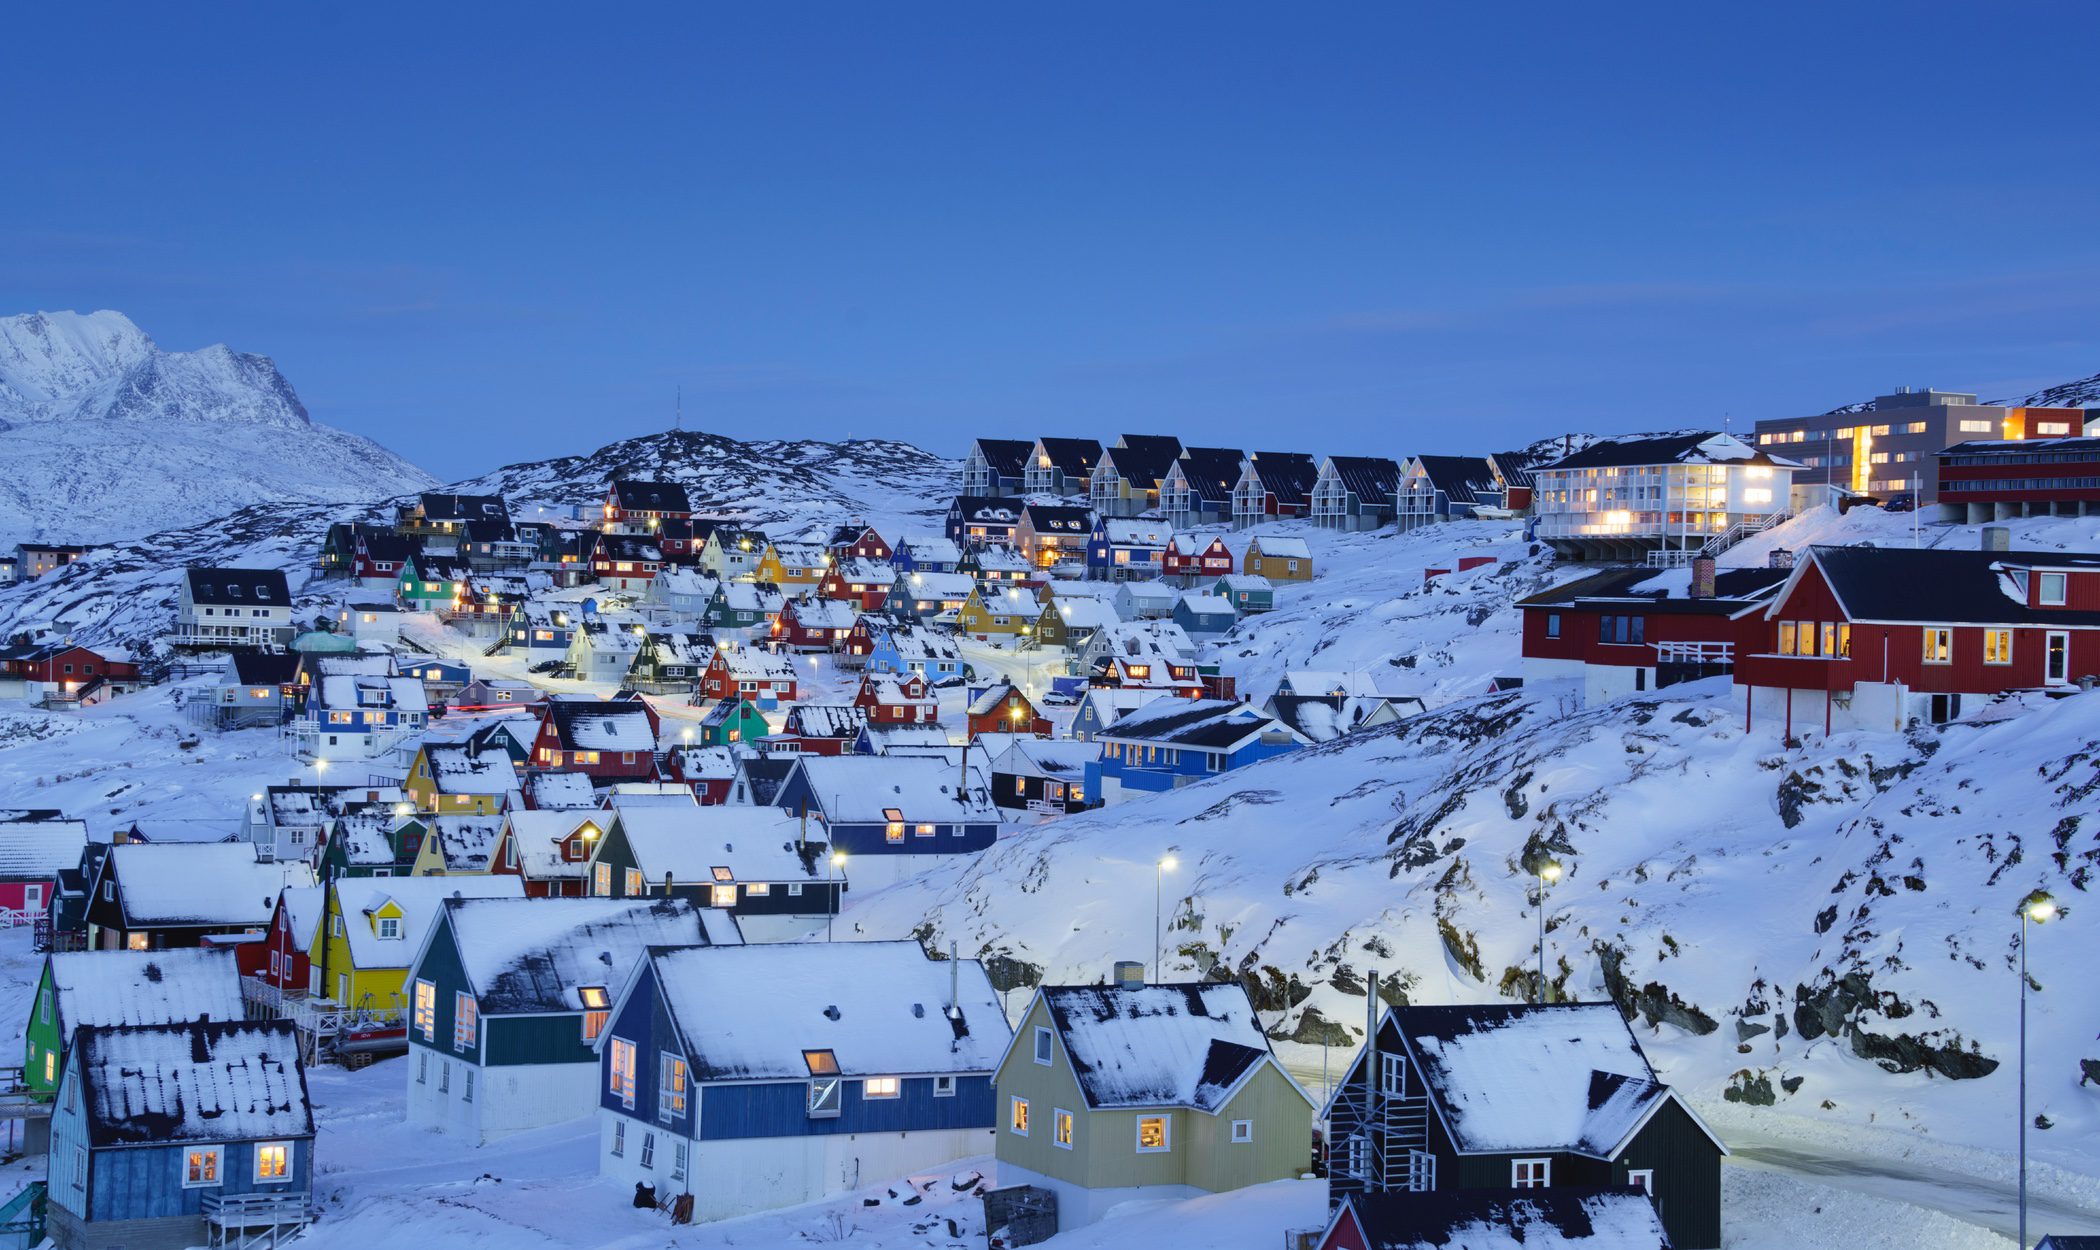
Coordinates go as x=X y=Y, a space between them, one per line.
x=1694 y=652
x=241 y=1220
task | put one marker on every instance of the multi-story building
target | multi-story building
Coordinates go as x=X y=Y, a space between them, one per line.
x=995 y=467
x=1890 y=449
x=232 y=607
x=1663 y=499
x=2000 y=479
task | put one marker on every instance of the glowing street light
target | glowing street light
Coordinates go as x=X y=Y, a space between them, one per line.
x=2036 y=908
x=1160 y=869
x=1549 y=872
x=836 y=860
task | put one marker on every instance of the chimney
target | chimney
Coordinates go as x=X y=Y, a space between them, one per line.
x=1780 y=558
x=954 y=981
x=1130 y=974
x=1997 y=538
x=1703 y=572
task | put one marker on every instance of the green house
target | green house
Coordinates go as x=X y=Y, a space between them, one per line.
x=507 y=996
x=1125 y=1091
x=427 y=583
x=733 y=722
x=1246 y=592
x=79 y=989
x=372 y=840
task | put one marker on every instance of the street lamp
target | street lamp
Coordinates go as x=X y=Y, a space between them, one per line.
x=1549 y=872
x=2039 y=908
x=1160 y=869
x=836 y=860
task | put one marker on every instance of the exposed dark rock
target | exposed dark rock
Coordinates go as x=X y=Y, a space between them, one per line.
x=1746 y=1029
x=1754 y=1088
x=1464 y=948
x=1653 y=1002
x=1007 y=973
x=1908 y=1053
x=1314 y=1029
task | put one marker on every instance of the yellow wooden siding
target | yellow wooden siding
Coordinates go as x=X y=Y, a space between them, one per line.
x=1282 y=1145
x=1045 y=1089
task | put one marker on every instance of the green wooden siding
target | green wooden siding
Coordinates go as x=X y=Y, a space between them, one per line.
x=42 y=1037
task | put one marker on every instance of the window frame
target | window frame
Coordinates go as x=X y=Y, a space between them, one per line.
x=1936 y=645
x=2042 y=597
x=1017 y=1116
x=1166 y=1134
x=1242 y=1133
x=944 y=1087
x=620 y=1063
x=287 y=1162
x=1642 y=1179
x=673 y=1086
x=1519 y=1180
x=193 y=1155
x=466 y=1022
x=1998 y=639
x=426 y=1008
x=871 y=1086
x=1045 y=1052
x=1062 y=1128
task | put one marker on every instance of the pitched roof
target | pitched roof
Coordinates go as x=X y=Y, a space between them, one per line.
x=236 y=1080
x=1940 y=586
x=531 y=955
x=931 y=586
x=1463 y=479
x=1666 y=590
x=538 y=833
x=931 y=548
x=689 y=843
x=824 y=720
x=1075 y=457
x=38 y=849
x=880 y=1008
x=263 y=668
x=1183 y=1045
x=589 y=725
x=466 y=843
x=1554 y=1218
x=1369 y=478
x=95 y=989
x=1211 y=471
x=1030 y=756
x=1288 y=475
x=987 y=509
x=1218 y=724
x=636 y=496
x=558 y=791
x=860 y=788
x=1059 y=519
x=193 y=884
x=1695 y=447
x=1006 y=456
x=470 y=768
x=438 y=506
x=1143 y=458
x=359 y=899
x=242 y=586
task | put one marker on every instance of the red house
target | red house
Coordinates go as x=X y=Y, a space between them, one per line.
x=643 y=507
x=283 y=957
x=858 y=542
x=884 y=699
x=1876 y=637
x=861 y=582
x=766 y=679
x=549 y=849
x=1193 y=558
x=708 y=770
x=609 y=741
x=816 y=729
x=381 y=557
x=35 y=845
x=1624 y=631
x=64 y=672
x=627 y=561
x=814 y=624
x=1002 y=709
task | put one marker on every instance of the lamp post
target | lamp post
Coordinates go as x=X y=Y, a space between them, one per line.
x=1160 y=869
x=832 y=862
x=2039 y=908
x=1549 y=872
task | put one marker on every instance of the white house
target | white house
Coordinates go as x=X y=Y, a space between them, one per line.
x=1664 y=498
x=232 y=607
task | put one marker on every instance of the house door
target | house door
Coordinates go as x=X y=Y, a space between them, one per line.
x=33 y=899
x=2056 y=668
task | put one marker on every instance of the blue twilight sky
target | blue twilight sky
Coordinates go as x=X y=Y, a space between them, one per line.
x=491 y=233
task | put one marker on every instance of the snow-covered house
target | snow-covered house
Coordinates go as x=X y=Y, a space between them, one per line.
x=926 y=553
x=995 y=566
x=602 y=648
x=1007 y=613
x=856 y=540
x=1046 y=776
x=765 y=679
x=1195 y=559
x=732 y=551
x=670 y=661
x=150 y=896
x=859 y=582
x=994 y=467
x=540 y=632
x=1145 y=601
x=1273 y=485
x=1325 y=717
x=1172 y=742
x=886 y=811
x=792 y=566
x=684 y=592
x=890 y=699
x=1204 y=616
x=1050 y=535
x=1122 y=549
x=1060 y=466
x=1624 y=631
x=259 y=688
x=232 y=608
x=1246 y=592
x=923 y=596
x=733 y=722
x=612 y=740
x=1486 y=1219
x=900 y=740
x=179 y=1134
x=35 y=846
x=103 y=989
x=981 y=521
x=816 y=729
x=1521 y=1097
x=748 y=861
x=1621 y=500
x=358 y=716
x=899 y=646
x=627 y=561
x=1278 y=558
x=875 y=1061
x=371 y=927
x=1111 y=1093
x=1355 y=492
x=1002 y=708
x=636 y=507
x=1068 y=621
x=507 y=997
x=1103 y=706
x=745 y=609
x=548 y=849
x=456 y=778
x=813 y=624
x=458 y=846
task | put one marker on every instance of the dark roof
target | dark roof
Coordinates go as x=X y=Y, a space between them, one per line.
x=491 y=529
x=54 y=548
x=1144 y=458
x=1369 y=478
x=1288 y=475
x=651 y=496
x=2023 y=447
x=628 y=547
x=2058 y=1241
x=987 y=509
x=1663 y=449
x=569 y=715
x=1213 y=471
x=242 y=586
x=764 y=773
x=1516 y=466
x=1060 y=519
x=1076 y=456
x=224 y=1080
x=1191 y=722
x=393 y=548
x=1006 y=456
x=443 y=507
x=1734 y=589
x=264 y=668
x=1462 y=478
x=1537 y=1219
x=1953 y=587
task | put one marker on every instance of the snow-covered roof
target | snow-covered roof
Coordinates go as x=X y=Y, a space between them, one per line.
x=561 y=790
x=689 y=843
x=302 y=912
x=538 y=835
x=365 y=832
x=812 y=613
x=528 y=955
x=752 y=664
x=1253 y=583
x=95 y=989
x=197 y=884
x=1555 y=1218
x=1157 y=1045
x=822 y=720
x=1150 y=592
x=880 y=1008
x=1010 y=601
x=469 y=768
x=1056 y=758
x=860 y=788
x=1564 y=1076
x=930 y=548
x=888 y=690
x=602 y=726
x=360 y=899
x=38 y=849
x=799 y=555
x=864 y=571
x=752 y=597
x=991 y=697
x=931 y=586
x=1215 y=724
x=466 y=843
x=913 y=739
x=1086 y=613
x=1279 y=546
x=1134 y=532
x=233 y=1081
x=345 y=691
x=682 y=581
x=1206 y=605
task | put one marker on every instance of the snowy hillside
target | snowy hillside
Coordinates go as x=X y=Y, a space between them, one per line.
x=765 y=481
x=107 y=436
x=2084 y=393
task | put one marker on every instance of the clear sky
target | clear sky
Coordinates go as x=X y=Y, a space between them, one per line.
x=487 y=233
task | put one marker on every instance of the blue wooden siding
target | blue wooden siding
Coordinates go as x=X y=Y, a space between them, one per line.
x=145 y=1182
x=781 y=1109
x=1159 y=774
x=643 y=1021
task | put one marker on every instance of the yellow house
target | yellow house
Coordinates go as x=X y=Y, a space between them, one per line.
x=999 y=612
x=1110 y=1093
x=461 y=778
x=372 y=928
x=792 y=566
x=1278 y=559
x=458 y=846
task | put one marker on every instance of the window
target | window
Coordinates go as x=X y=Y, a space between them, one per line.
x=1787 y=643
x=2053 y=588
x=1154 y=1134
x=200 y=1167
x=1061 y=1128
x=466 y=1085
x=464 y=1022
x=826 y=1094
x=632 y=883
x=944 y=1087
x=881 y=1087
x=757 y=889
x=1530 y=1173
x=1623 y=630
x=2052 y=427
x=1939 y=646
x=1997 y=646
x=670 y=1087
x=721 y=896
x=1552 y=624
x=390 y=927
x=51 y=1070
x=597 y=1009
x=619 y=1143
x=422 y=1068
x=678 y=1158
x=623 y=1071
x=1392 y=1075
x=1642 y=1179
x=601 y=883
x=444 y=1077
x=273 y=1162
x=1242 y=1132
x=1043 y=1044
x=1017 y=1117
x=893 y=832
x=426 y=1009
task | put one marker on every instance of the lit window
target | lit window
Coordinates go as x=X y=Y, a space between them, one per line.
x=200 y=1167
x=602 y=880
x=1997 y=646
x=893 y=831
x=670 y=1087
x=273 y=1161
x=464 y=1021
x=623 y=1071
x=633 y=883
x=426 y=1009
x=821 y=1062
x=596 y=1010
x=1939 y=646
x=1154 y=1134
x=1017 y=1117
x=1061 y=1128
x=881 y=1087
x=721 y=896
x=1530 y=1173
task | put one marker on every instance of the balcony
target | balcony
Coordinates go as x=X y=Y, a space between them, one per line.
x=1796 y=672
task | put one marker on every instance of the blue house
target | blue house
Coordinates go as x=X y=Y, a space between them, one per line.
x=900 y=647
x=1172 y=741
x=926 y=553
x=178 y=1134
x=887 y=813
x=982 y=520
x=871 y=1061
x=1123 y=549
x=360 y=715
x=539 y=632
x=1204 y=615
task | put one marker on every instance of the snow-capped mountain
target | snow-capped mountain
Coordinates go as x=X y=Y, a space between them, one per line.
x=2084 y=393
x=764 y=481
x=107 y=436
